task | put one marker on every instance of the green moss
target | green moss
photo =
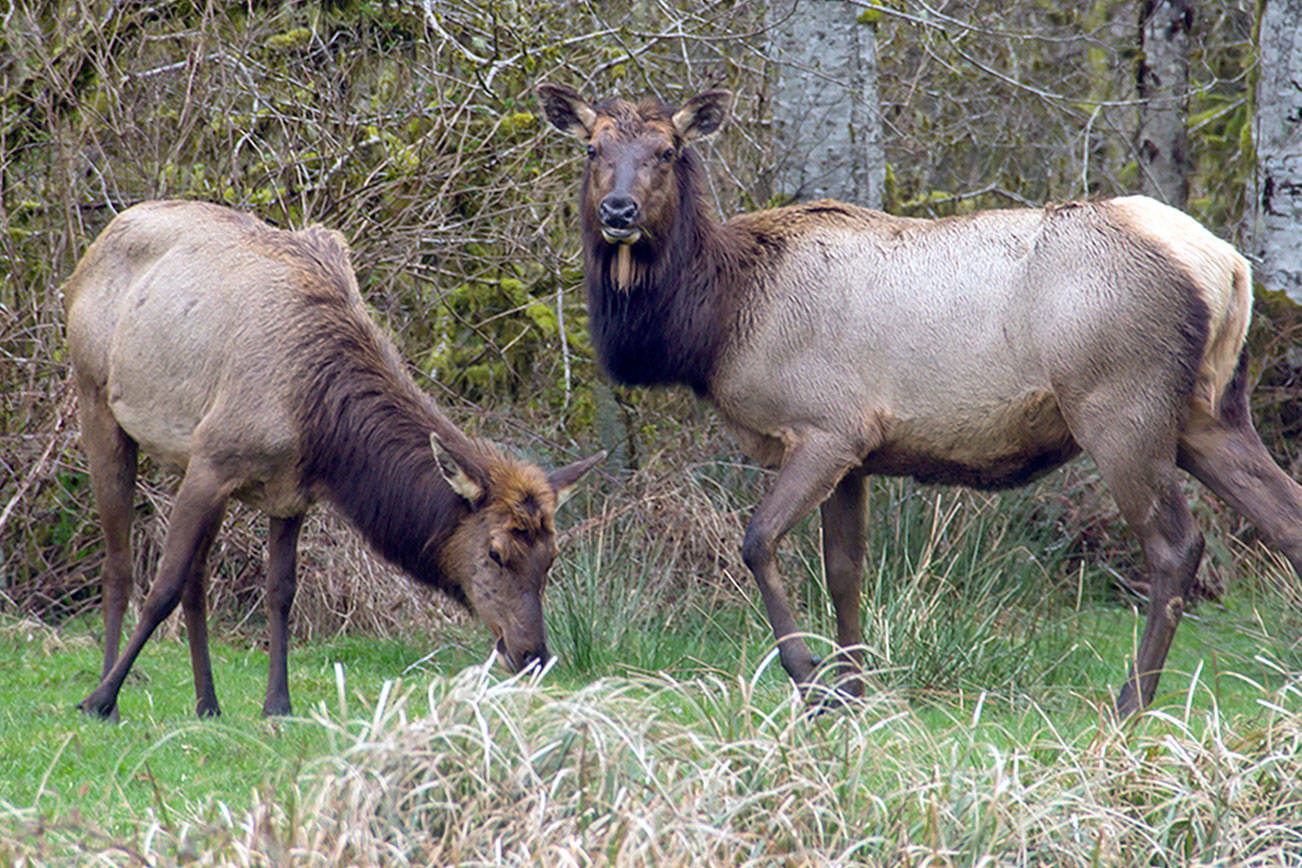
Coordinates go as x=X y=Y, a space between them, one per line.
x=290 y=39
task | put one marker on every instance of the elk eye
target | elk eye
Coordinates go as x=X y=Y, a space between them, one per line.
x=667 y=155
x=592 y=152
x=495 y=555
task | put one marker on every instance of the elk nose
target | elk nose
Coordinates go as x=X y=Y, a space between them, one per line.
x=536 y=656
x=618 y=210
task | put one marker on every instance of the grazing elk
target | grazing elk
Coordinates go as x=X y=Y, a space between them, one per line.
x=242 y=355
x=983 y=350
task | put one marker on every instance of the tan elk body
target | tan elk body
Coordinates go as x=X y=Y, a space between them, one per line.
x=982 y=350
x=242 y=356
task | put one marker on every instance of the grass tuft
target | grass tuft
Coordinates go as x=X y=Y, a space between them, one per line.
x=475 y=769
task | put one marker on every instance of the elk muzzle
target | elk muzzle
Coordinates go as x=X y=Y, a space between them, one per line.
x=618 y=211
x=522 y=633
x=522 y=659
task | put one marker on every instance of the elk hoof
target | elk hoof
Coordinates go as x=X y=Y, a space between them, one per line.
x=821 y=699
x=276 y=708
x=92 y=706
x=847 y=689
x=1127 y=703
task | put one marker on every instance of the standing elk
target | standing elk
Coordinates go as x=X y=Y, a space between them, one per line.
x=242 y=356
x=982 y=350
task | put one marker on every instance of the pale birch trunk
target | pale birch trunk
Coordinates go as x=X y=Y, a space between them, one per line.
x=826 y=112
x=1162 y=142
x=1277 y=128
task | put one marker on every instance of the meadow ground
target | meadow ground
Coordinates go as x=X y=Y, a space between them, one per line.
x=666 y=733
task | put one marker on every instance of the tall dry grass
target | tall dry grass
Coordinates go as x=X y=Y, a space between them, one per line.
x=652 y=771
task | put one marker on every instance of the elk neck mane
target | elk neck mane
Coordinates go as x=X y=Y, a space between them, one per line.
x=365 y=429
x=670 y=323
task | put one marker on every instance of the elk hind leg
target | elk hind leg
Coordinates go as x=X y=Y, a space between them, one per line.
x=111 y=457
x=194 y=603
x=844 y=515
x=1142 y=479
x=1227 y=456
x=1173 y=548
x=196 y=516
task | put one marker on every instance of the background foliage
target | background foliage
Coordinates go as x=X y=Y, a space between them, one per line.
x=412 y=127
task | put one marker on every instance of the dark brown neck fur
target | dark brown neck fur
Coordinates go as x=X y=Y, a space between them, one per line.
x=365 y=438
x=672 y=323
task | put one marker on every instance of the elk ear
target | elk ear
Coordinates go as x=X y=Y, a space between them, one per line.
x=703 y=114
x=562 y=479
x=455 y=473
x=566 y=110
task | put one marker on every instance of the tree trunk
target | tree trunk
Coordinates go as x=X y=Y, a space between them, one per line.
x=826 y=111
x=1277 y=129
x=615 y=426
x=1111 y=24
x=1163 y=83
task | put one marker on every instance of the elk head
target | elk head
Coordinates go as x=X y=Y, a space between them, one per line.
x=500 y=553
x=629 y=187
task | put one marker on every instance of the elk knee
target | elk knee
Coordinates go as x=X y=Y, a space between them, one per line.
x=1173 y=561
x=842 y=563
x=280 y=595
x=757 y=549
x=161 y=601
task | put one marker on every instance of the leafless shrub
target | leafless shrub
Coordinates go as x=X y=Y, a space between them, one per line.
x=412 y=127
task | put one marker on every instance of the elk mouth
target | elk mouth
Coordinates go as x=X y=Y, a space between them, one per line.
x=500 y=647
x=628 y=235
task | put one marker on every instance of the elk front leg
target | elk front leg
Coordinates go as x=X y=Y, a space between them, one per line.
x=282 y=554
x=810 y=470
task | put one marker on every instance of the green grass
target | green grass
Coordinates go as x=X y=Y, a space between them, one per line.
x=473 y=767
x=54 y=759
x=985 y=733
